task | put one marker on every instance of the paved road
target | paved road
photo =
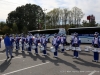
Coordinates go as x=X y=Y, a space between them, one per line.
x=31 y=64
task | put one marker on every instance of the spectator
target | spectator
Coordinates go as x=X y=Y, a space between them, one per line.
x=8 y=46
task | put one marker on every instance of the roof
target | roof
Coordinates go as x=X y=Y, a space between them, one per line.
x=83 y=27
x=44 y=30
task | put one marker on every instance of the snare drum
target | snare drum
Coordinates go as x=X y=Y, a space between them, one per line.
x=42 y=48
x=78 y=49
x=73 y=48
x=14 y=44
x=27 y=45
x=95 y=50
x=20 y=45
x=61 y=46
x=33 y=47
x=52 y=49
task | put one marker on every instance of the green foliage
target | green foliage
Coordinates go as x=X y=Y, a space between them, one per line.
x=15 y=28
x=29 y=15
x=5 y=29
x=25 y=30
x=72 y=26
x=89 y=24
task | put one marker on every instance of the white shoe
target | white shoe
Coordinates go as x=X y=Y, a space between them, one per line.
x=16 y=49
x=97 y=61
x=74 y=57
x=77 y=57
x=45 y=54
x=36 y=53
x=29 y=51
x=55 y=56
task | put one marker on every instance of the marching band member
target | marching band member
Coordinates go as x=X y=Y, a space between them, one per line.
x=72 y=35
x=19 y=36
x=65 y=42
x=36 y=44
x=58 y=39
x=23 y=41
x=96 y=44
x=17 y=41
x=30 y=41
x=12 y=40
x=55 y=43
x=62 y=42
x=47 y=40
x=75 y=42
x=26 y=38
x=44 y=44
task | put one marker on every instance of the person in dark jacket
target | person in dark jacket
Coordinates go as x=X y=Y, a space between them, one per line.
x=8 y=46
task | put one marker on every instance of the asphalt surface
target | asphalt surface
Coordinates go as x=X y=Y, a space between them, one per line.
x=25 y=63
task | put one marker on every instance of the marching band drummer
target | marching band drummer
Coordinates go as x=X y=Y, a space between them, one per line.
x=44 y=44
x=36 y=44
x=30 y=41
x=65 y=41
x=12 y=39
x=75 y=42
x=17 y=41
x=62 y=42
x=55 y=44
x=23 y=41
x=59 y=39
x=96 y=44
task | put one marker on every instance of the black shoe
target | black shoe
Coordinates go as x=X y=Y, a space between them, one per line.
x=7 y=57
x=12 y=56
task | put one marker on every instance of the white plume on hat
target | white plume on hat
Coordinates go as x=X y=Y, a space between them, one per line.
x=96 y=33
x=75 y=33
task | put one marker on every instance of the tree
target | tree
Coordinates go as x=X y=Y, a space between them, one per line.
x=15 y=28
x=27 y=15
x=66 y=13
x=63 y=16
x=53 y=17
x=2 y=24
x=70 y=18
x=25 y=30
x=5 y=29
x=77 y=15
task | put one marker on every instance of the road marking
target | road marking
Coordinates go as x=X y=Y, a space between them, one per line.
x=24 y=68
x=1 y=53
x=12 y=58
x=92 y=72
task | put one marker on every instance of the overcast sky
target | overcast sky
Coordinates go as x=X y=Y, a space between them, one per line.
x=88 y=6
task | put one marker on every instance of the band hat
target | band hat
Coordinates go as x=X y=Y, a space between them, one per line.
x=96 y=33
x=75 y=33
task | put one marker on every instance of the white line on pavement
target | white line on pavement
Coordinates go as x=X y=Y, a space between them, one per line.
x=12 y=58
x=24 y=68
x=1 y=53
x=92 y=72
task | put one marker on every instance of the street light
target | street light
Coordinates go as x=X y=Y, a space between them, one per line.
x=45 y=17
